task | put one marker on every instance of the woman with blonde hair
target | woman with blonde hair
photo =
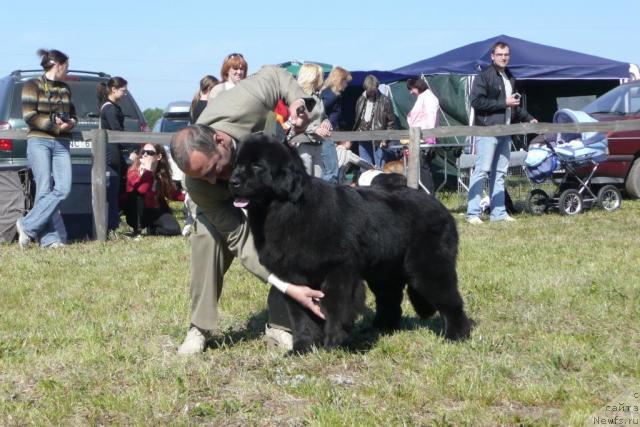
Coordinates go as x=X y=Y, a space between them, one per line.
x=331 y=95
x=309 y=143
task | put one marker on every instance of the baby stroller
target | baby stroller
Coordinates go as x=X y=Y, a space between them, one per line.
x=570 y=160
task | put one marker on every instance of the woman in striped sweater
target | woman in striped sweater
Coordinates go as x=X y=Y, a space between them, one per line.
x=48 y=111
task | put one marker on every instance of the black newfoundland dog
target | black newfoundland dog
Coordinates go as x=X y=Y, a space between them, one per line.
x=331 y=237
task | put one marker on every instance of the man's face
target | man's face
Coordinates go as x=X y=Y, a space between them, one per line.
x=500 y=57
x=212 y=167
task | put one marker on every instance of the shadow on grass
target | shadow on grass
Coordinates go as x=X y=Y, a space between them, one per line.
x=253 y=329
x=365 y=336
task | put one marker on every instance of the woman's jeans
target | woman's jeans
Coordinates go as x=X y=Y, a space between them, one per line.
x=50 y=164
x=492 y=162
x=330 y=161
x=158 y=221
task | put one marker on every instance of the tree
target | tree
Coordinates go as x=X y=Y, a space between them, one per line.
x=152 y=115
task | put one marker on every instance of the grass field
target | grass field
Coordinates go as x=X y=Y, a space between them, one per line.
x=88 y=336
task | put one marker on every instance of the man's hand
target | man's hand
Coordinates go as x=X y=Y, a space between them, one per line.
x=298 y=116
x=533 y=121
x=512 y=101
x=307 y=297
x=324 y=130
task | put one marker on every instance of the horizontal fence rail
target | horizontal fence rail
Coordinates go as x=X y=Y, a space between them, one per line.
x=414 y=135
x=116 y=137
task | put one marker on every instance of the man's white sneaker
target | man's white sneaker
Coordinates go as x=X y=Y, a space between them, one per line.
x=508 y=218
x=278 y=338
x=194 y=343
x=474 y=220
x=23 y=238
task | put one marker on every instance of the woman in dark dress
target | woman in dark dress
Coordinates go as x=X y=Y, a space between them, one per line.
x=112 y=118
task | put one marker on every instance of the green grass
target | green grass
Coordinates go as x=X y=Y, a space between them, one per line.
x=88 y=335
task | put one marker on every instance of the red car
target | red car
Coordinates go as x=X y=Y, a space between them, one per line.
x=623 y=165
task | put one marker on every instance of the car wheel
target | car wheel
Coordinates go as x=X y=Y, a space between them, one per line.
x=609 y=198
x=570 y=202
x=537 y=202
x=632 y=184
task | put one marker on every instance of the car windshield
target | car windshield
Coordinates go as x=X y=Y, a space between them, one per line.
x=173 y=124
x=624 y=99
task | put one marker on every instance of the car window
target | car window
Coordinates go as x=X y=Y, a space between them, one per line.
x=173 y=125
x=5 y=86
x=84 y=98
x=620 y=100
x=634 y=99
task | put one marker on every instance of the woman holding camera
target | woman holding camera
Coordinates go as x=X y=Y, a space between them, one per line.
x=149 y=185
x=48 y=111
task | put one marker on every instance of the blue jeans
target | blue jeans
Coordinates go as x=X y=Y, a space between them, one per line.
x=492 y=162
x=372 y=153
x=330 y=161
x=50 y=163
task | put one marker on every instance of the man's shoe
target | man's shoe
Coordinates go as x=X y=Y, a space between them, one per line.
x=23 y=238
x=508 y=218
x=194 y=343
x=474 y=220
x=278 y=338
x=56 y=245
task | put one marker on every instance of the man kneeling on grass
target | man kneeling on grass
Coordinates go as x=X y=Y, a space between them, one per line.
x=205 y=152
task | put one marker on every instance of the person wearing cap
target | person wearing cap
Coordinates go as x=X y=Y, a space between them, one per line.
x=205 y=152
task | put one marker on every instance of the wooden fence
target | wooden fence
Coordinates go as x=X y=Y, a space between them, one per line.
x=100 y=138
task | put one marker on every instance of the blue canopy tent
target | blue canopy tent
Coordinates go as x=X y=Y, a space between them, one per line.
x=549 y=77
x=528 y=61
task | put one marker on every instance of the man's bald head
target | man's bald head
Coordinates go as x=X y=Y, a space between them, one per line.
x=192 y=138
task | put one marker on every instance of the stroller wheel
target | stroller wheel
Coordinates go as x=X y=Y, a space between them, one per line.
x=570 y=202
x=609 y=198
x=537 y=202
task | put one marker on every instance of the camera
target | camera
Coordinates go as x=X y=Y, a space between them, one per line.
x=516 y=96
x=64 y=116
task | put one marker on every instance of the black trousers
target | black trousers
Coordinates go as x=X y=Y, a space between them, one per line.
x=426 y=178
x=158 y=221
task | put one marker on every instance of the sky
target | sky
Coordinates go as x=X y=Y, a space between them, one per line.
x=163 y=48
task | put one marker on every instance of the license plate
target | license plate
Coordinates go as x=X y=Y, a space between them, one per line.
x=80 y=144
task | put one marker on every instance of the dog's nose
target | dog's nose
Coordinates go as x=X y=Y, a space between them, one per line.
x=234 y=181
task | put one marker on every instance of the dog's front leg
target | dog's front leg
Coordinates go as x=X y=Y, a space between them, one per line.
x=344 y=297
x=306 y=327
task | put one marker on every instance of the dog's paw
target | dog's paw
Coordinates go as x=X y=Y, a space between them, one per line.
x=460 y=332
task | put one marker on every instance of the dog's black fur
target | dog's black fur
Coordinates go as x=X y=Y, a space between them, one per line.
x=331 y=237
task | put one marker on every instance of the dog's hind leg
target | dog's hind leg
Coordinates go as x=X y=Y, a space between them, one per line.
x=437 y=285
x=344 y=297
x=388 y=300
x=423 y=308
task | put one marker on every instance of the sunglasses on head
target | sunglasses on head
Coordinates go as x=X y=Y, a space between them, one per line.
x=233 y=55
x=149 y=152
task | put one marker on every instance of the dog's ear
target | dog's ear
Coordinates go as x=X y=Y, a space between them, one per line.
x=289 y=183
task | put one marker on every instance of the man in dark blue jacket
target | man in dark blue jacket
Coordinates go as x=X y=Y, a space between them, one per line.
x=495 y=102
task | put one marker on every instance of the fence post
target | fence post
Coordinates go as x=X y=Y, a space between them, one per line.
x=99 y=184
x=413 y=166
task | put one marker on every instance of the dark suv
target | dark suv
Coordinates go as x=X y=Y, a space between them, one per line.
x=15 y=188
x=623 y=165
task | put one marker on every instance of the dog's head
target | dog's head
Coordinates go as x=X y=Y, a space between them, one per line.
x=266 y=170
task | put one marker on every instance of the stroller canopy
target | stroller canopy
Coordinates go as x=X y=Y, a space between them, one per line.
x=565 y=115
